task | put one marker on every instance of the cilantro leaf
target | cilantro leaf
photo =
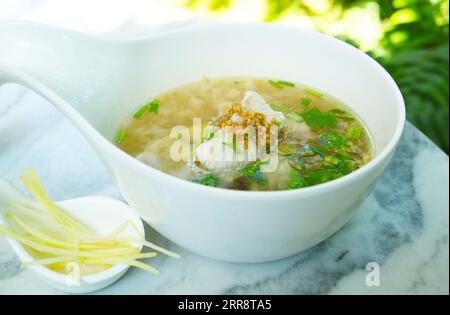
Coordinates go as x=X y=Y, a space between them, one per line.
x=332 y=141
x=310 y=171
x=253 y=171
x=305 y=102
x=208 y=180
x=297 y=181
x=323 y=175
x=314 y=178
x=317 y=119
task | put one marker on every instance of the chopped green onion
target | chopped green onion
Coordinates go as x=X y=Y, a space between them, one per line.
x=345 y=118
x=280 y=84
x=353 y=133
x=276 y=84
x=286 y=83
x=121 y=136
x=313 y=92
x=279 y=108
x=150 y=107
x=154 y=106
x=140 y=112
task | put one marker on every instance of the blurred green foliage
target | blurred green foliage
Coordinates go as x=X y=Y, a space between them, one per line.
x=417 y=58
x=413 y=47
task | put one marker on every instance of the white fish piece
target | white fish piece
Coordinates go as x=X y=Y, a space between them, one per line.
x=300 y=130
x=218 y=153
x=256 y=103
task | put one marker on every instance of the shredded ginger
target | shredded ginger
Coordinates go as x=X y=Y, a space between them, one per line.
x=63 y=243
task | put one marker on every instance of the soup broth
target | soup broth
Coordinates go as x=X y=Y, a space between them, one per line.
x=310 y=138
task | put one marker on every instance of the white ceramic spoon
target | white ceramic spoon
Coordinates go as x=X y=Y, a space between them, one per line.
x=100 y=214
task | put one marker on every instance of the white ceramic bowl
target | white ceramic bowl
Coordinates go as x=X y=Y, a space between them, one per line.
x=97 y=83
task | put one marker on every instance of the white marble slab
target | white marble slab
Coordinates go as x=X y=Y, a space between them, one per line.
x=403 y=225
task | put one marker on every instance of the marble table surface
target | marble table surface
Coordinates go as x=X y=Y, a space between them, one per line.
x=403 y=225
